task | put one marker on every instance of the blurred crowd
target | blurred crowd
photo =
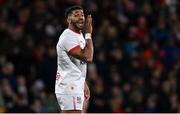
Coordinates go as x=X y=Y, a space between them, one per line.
x=136 y=64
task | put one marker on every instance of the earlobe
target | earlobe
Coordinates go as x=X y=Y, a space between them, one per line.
x=68 y=20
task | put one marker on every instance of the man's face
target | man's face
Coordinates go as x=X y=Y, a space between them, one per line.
x=77 y=19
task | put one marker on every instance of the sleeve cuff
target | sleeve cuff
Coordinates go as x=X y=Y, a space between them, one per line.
x=72 y=49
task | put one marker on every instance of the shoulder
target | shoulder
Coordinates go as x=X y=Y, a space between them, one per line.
x=67 y=34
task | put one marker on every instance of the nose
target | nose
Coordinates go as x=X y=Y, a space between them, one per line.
x=81 y=17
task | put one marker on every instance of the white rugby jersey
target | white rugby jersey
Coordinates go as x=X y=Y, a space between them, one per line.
x=71 y=72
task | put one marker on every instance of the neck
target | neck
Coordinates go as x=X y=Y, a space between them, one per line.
x=74 y=29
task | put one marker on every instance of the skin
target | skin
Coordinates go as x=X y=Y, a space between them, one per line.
x=87 y=96
x=77 y=22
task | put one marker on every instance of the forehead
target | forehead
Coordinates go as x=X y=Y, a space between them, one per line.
x=77 y=11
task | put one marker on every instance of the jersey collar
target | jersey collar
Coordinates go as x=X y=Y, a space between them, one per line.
x=74 y=31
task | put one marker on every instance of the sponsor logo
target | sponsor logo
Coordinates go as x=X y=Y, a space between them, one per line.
x=58 y=76
x=79 y=100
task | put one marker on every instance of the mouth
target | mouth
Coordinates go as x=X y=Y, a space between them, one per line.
x=81 y=23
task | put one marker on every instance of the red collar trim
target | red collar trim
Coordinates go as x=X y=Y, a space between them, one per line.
x=74 y=31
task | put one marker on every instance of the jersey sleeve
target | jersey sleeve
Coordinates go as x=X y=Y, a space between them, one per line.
x=70 y=43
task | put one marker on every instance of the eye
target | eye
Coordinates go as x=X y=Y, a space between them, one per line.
x=76 y=15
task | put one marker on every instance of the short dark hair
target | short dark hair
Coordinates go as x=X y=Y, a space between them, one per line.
x=70 y=9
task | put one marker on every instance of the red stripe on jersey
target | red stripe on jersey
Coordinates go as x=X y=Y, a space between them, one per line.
x=74 y=103
x=75 y=47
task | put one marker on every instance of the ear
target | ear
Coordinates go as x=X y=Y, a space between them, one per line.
x=69 y=19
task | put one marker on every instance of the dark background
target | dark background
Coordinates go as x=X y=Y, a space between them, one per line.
x=136 y=64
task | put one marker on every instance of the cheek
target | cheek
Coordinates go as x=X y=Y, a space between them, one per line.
x=76 y=19
x=73 y=21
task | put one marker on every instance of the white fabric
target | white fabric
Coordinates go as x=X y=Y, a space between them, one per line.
x=71 y=72
x=70 y=102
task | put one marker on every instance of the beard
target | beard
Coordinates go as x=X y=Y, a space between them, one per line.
x=77 y=25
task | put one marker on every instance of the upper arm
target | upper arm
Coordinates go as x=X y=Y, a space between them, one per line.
x=72 y=46
x=77 y=52
x=70 y=43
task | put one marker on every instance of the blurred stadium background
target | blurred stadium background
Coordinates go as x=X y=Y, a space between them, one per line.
x=136 y=62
